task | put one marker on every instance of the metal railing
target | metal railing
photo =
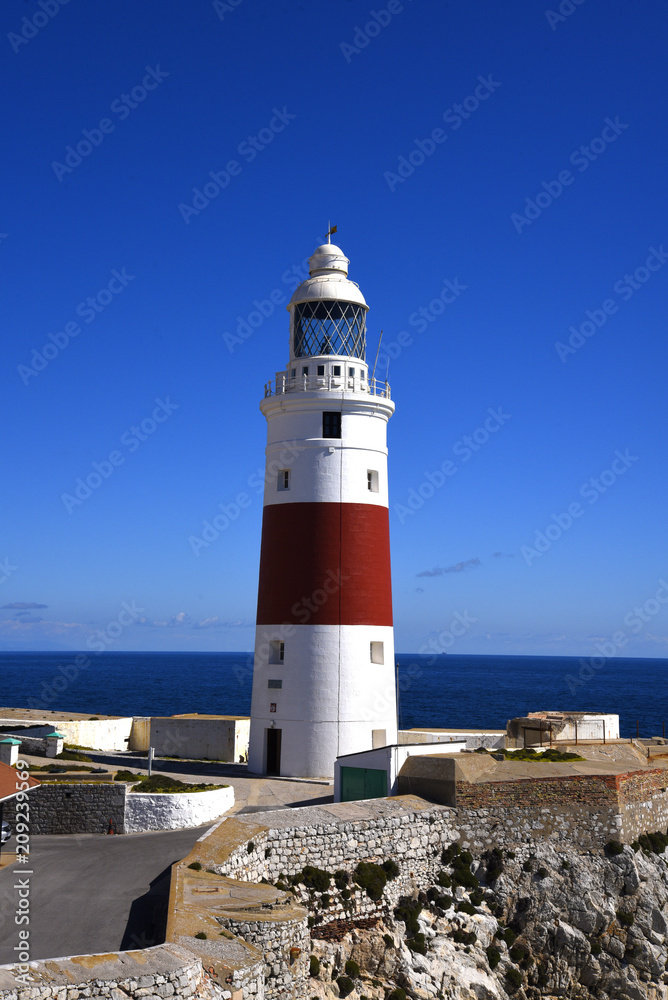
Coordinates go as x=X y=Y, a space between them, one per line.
x=331 y=383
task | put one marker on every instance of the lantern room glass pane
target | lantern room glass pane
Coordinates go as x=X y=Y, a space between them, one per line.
x=329 y=327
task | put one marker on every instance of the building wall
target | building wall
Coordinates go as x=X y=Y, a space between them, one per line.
x=198 y=738
x=101 y=734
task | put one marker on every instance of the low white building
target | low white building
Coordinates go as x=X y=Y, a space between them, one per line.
x=542 y=729
x=374 y=774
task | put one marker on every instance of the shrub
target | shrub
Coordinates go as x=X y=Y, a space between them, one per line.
x=72 y=755
x=370 y=877
x=346 y=894
x=346 y=985
x=463 y=876
x=325 y=900
x=196 y=866
x=613 y=847
x=388 y=941
x=341 y=879
x=477 y=897
x=314 y=966
x=465 y=907
x=462 y=937
x=313 y=878
x=126 y=776
x=391 y=868
x=493 y=956
x=417 y=943
x=201 y=935
x=514 y=977
x=250 y=846
x=527 y=866
x=542 y=872
x=595 y=946
x=517 y=953
x=408 y=912
x=396 y=994
x=352 y=969
x=448 y=854
x=444 y=879
x=625 y=918
x=509 y=936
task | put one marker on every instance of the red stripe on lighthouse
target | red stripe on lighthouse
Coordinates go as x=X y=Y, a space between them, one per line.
x=325 y=564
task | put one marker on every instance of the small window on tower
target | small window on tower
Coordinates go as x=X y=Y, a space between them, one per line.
x=351 y=372
x=284 y=479
x=362 y=376
x=321 y=369
x=293 y=372
x=331 y=424
x=274 y=683
x=377 y=653
x=336 y=370
x=276 y=651
x=371 y=480
x=305 y=370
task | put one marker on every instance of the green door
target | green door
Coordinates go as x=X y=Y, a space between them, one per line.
x=362 y=783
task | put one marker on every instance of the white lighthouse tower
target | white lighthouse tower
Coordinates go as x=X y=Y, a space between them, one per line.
x=323 y=677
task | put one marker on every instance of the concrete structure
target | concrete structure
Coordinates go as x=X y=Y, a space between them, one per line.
x=99 y=733
x=201 y=737
x=490 y=738
x=323 y=680
x=9 y=750
x=542 y=728
x=375 y=773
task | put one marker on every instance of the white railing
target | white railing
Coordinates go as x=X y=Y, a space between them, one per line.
x=334 y=383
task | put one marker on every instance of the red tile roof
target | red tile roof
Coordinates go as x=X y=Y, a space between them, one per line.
x=10 y=783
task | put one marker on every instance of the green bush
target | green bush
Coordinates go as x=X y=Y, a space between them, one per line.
x=341 y=879
x=396 y=994
x=595 y=946
x=201 y=935
x=314 y=966
x=542 y=872
x=196 y=866
x=493 y=956
x=464 y=877
x=391 y=868
x=527 y=866
x=448 y=854
x=477 y=896
x=417 y=943
x=462 y=937
x=408 y=912
x=614 y=847
x=509 y=936
x=625 y=918
x=352 y=969
x=465 y=907
x=444 y=879
x=346 y=894
x=72 y=755
x=371 y=878
x=126 y=776
x=388 y=941
x=514 y=977
x=517 y=953
x=313 y=878
x=325 y=900
x=346 y=985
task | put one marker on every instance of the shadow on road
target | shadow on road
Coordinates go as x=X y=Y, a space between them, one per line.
x=323 y=800
x=199 y=767
x=147 y=920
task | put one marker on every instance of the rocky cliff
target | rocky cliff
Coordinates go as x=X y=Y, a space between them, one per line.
x=542 y=921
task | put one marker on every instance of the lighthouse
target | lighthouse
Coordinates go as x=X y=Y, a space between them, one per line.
x=323 y=675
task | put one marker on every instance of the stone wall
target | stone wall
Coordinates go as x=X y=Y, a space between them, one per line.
x=285 y=945
x=69 y=807
x=66 y=807
x=162 y=811
x=643 y=800
x=150 y=974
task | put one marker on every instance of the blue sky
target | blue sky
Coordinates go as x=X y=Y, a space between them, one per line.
x=497 y=176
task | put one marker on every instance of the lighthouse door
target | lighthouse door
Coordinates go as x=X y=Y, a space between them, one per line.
x=273 y=751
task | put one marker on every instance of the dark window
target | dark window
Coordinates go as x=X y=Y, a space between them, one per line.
x=274 y=683
x=305 y=370
x=351 y=372
x=331 y=424
x=321 y=369
x=337 y=369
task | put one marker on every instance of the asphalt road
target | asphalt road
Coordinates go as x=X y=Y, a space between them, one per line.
x=91 y=893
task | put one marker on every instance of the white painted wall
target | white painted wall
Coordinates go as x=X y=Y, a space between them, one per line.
x=200 y=737
x=146 y=811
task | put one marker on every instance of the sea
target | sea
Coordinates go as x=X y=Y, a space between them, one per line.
x=447 y=691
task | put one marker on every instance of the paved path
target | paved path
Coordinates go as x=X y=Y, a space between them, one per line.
x=92 y=894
